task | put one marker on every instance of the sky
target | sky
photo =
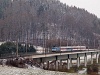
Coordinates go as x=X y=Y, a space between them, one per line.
x=92 y=6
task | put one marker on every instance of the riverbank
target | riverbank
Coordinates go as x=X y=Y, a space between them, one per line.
x=36 y=71
x=29 y=71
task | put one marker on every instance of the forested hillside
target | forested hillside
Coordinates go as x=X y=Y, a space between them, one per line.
x=28 y=20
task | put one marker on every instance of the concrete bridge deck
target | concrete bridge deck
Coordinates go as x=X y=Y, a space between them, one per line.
x=88 y=52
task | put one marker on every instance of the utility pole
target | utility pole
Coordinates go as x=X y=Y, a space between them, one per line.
x=26 y=41
x=94 y=44
x=99 y=44
x=17 y=48
x=44 y=50
x=80 y=42
x=88 y=44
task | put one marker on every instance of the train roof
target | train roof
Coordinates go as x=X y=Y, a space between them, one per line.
x=72 y=46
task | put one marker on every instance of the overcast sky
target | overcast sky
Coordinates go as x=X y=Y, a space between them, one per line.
x=93 y=6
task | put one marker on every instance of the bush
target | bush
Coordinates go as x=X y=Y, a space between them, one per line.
x=7 y=47
x=92 y=69
x=10 y=48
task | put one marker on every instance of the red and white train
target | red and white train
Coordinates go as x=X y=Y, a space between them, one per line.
x=68 y=48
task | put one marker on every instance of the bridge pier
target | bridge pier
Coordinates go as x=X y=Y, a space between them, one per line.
x=78 y=61
x=48 y=65
x=51 y=65
x=61 y=64
x=85 y=60
x=56 y=65
x=97 y=57
x=42 y=65
x=71 y=63
x=68 y=63
x=91 y=58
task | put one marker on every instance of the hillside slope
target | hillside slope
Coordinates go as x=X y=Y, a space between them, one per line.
x=30 y=19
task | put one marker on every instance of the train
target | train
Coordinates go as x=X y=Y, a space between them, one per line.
x=68 y=48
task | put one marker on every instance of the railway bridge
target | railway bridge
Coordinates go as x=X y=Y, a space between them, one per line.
x=68 y=56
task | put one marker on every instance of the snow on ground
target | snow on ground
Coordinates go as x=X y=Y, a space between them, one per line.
x=30 y=71
x=33 y=70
